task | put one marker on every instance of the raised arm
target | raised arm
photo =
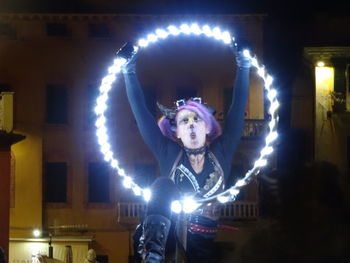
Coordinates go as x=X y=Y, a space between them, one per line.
x=146 y=123
x=235 y=115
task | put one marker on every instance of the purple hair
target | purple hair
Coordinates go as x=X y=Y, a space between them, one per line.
x=168 y=127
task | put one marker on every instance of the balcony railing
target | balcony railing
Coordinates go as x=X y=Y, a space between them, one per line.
x=130 y=211
x=239 y=210
x=254 y=128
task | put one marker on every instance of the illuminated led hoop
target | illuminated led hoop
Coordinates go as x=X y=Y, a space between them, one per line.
x=187 y=204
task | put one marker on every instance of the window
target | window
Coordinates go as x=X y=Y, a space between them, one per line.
x=98 y=180
x=4 y=87
x=102 y=258
x=98 y=30
x=185 y=93
x=55 y=182
x=56 y=104
x=7 y=31
x=57 y=29
x=145 y=173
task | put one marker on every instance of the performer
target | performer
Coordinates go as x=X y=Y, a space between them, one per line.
x=194 y=157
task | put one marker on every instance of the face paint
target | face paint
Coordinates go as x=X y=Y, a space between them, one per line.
x=191 y=129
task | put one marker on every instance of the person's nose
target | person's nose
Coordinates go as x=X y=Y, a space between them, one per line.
x=191 y=122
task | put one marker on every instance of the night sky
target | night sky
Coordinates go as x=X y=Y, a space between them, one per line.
x=167 y=6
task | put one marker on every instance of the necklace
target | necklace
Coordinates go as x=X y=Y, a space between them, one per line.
x=197 y=151
x=196 y=158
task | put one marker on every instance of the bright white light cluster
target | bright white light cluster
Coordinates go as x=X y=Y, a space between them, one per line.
x=187 y=204
x=185 y=29
x=102 y=136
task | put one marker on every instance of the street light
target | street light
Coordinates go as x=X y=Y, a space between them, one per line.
x=36 y=233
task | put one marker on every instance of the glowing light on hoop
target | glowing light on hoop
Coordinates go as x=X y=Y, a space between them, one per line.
x=187 y=204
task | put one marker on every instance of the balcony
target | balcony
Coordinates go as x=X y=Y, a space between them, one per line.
x=240 y=211
x=254 y=129
x=129 y=213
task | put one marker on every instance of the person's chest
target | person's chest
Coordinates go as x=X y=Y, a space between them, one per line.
x=188 y=180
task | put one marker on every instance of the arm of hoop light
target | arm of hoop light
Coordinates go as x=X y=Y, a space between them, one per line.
x=160 y=34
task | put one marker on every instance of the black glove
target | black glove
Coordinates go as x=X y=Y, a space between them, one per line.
x=241 y=60
x=128 y=52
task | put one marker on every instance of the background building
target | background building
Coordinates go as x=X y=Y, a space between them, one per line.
x=320 y=100
x=53 y=64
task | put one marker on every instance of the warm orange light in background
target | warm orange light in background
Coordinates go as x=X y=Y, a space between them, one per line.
x=320 y=64
x=36 y=248
x=36 y=233
x=324 y=77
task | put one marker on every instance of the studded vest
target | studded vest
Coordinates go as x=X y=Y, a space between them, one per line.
x=213 y=183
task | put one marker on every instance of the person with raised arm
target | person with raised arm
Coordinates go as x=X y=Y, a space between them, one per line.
x=194 y=155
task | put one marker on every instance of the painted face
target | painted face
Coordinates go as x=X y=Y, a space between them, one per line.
x=191 y=129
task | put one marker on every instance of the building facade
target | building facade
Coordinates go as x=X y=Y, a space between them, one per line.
x=320 y=100
x=53 y=64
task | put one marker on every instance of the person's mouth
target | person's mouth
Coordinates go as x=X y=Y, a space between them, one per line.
x=193 y=135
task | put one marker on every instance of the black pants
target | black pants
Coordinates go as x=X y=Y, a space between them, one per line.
x=200 y=247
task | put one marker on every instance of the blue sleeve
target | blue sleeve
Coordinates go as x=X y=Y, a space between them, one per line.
x=234 y=121
x=146 y=123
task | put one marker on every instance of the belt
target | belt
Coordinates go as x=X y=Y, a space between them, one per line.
x=211 y=212
x=195 y=228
